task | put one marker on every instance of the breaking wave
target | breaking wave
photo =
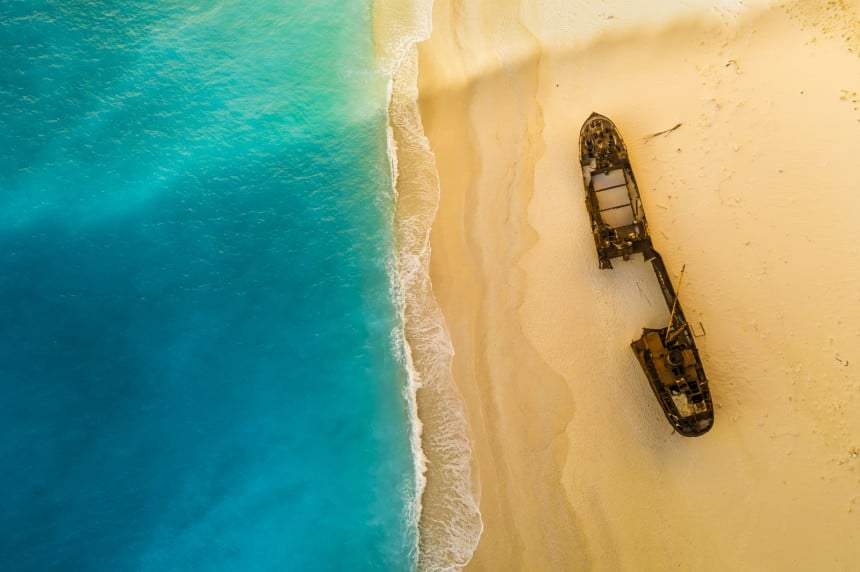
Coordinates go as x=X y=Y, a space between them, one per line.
x=446 y=511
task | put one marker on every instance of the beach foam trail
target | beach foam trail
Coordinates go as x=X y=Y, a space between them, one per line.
x=449 y=522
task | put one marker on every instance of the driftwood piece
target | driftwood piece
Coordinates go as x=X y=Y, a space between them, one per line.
x=664 y=132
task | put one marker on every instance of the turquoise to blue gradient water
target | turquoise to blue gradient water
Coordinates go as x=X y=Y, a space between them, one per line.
x=195 y=326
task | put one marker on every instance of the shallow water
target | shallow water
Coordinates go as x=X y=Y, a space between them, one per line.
x=195 y=231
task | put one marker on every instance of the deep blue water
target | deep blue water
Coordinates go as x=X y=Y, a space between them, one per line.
x=195 y=326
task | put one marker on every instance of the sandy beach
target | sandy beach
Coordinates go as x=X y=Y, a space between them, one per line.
x=573 y=465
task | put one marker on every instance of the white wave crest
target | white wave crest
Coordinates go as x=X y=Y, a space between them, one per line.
x=446 y=511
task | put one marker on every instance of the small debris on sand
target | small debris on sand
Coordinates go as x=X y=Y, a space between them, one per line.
x=665 y=132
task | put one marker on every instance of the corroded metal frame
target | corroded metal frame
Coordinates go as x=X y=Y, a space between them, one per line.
x=668 y=355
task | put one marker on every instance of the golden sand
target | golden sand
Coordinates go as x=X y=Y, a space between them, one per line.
x=574 y=465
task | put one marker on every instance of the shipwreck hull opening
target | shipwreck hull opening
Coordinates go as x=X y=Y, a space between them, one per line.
x=676 y=376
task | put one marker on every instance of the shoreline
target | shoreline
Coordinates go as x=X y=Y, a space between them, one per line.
x=491 y=346
x=448 y=520
x=575 y=465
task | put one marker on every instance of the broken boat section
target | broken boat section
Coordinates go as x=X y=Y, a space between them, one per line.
x=668 y=355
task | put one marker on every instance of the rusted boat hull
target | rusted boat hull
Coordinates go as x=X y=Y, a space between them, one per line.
x=668 y=355
x=618 y=222
x=671 y=363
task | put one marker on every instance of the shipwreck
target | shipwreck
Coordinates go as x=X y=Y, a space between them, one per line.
x=668 y=355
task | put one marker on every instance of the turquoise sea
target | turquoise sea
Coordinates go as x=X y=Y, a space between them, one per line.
x=197 y=335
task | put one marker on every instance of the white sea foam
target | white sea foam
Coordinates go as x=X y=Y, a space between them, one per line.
x=446 y=511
